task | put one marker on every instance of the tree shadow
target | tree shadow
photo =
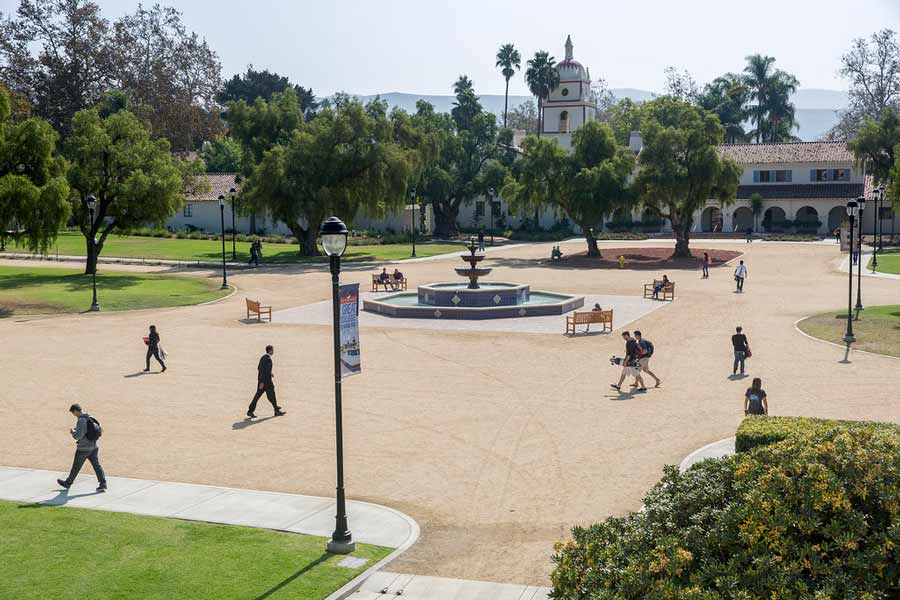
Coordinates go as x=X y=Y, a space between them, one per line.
x=248 y=422
x=299 y=573
x=74 y=282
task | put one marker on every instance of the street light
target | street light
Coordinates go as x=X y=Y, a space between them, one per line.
x=848 y=337
x=92 y=204
x=412 y=198
x=222 y=212
x=491 y=198
x=878 y=217
x=859 y=306
x=231 y=193
x=334 y=240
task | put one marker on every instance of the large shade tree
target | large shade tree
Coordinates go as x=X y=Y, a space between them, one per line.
x=33 y=187
x=509 y=60
x=586 y=184
x=541 y=76
x=770 y=89
x=680 y=167
x=346 y=160
x=872 y=66
x=133 y=176
x=263 y=84
x=728 y=96
x=877 y=144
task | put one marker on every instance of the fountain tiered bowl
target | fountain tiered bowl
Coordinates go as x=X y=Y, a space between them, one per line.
x=472 y=300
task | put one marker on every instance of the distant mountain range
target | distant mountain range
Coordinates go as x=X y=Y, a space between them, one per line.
x=816 y=109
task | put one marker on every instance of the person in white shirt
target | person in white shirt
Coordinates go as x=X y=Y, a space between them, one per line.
x=740 y=274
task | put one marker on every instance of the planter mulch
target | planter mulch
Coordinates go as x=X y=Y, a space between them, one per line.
x=643 y=258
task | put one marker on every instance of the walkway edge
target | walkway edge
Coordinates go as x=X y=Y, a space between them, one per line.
x=841 y=346
x=690 y=458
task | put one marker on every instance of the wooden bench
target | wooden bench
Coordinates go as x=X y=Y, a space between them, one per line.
x=604 y=317
x=667 y=292
x=254 y=307
x=397 y=284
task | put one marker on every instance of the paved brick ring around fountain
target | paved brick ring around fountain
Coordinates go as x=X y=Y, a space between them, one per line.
x=475 y=300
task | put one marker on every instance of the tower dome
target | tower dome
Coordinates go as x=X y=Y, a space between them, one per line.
x=570 y=69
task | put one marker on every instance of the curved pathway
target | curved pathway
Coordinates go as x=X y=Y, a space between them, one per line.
x=495 y=442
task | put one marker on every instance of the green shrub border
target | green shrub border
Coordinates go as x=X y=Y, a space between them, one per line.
x=760 y=430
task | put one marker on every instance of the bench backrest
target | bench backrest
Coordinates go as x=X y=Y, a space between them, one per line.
x=670 y=285
x=253 y=305
x=594 y=316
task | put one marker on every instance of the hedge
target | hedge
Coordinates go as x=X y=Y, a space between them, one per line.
x=815 y=516
x=761 y=431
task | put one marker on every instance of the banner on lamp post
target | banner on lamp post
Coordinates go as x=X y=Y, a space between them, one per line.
x=350 y=358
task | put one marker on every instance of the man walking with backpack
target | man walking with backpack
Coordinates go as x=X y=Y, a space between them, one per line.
x=630 y=364
x=645 y=351
x=86 y=433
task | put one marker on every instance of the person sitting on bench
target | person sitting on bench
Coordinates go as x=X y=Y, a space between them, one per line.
x=659 y=286
x=398 y=276
x=385 y=279
x=556 y=253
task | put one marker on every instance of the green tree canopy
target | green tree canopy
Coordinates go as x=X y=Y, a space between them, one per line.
x=222 y=155
x=876 y=143
x=680 y=167
x=509 y=60
x=135 y=178
x=872 y=66
x=771 y=90
x=541 y=76
x=727 y=96
x=345 y=160
x=586 y=184
x=33 y=187
x=624 y=117
x=264 y=84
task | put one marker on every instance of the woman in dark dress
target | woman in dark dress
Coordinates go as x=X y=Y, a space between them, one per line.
x=755 y=402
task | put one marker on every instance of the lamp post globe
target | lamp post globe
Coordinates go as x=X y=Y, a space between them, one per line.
x=333 y=235
x=852 y=208
x=231 y=193
x=861 y=201
x=222 y=213
x=92 y=206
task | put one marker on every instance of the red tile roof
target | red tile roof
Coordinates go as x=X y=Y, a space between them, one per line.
x=788 y=152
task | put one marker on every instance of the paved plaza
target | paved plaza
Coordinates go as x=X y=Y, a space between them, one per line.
x=496 y=440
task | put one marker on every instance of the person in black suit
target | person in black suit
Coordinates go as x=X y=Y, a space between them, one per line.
x=153 y=348
x=265 y=384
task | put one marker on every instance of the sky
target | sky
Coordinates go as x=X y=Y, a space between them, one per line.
x=422 y=46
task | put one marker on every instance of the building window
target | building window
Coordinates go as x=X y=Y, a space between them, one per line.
x=564 y=122
x=479 y=209
x=829 y=175
x=188 y=210
x=783 y=176
x=495 y=208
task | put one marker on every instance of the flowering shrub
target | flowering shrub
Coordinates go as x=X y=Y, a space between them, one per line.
x=815 y=515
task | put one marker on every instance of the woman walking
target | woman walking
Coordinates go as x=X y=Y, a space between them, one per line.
x=755 y=402
x=153 y=349
x=706 y=262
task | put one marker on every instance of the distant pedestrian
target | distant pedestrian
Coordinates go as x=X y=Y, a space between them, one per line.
x=645 y=353
x=265 y=384
x=154 y=349
x=749 y=235
x=86 y=433
x=630 y=364
x=705 y=266
x=659 y=286
x=741 y=349
x=740 y=274
x=755 y=400
x=481 y=240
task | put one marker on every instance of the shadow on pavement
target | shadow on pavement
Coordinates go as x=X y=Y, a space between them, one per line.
x=62 y=497
x=245 y=423
x=140 y=373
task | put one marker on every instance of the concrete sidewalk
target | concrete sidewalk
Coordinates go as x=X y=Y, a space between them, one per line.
x=418 y=587
x=309 y=515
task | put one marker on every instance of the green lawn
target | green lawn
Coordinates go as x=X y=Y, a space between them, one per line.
x=69 y=553
x=878 y=328
x=72 y=243
x=889 y=262
x=25 y=290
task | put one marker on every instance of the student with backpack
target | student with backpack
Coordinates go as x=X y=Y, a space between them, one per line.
x=86 y=433
x=645 y=351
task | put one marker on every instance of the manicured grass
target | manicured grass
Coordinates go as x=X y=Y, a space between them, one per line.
x=888 y=262
x=25 y=290
x=69 y=553
x=878 y=328
x=72 y=243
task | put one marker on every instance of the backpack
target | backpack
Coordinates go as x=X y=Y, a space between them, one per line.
x=647 y=348
x=94 y=431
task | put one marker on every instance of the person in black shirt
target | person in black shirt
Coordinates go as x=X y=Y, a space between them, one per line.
x=153 y=348
x=755 y=400
x=265 y=384
x=741 y=347
x=630 y=364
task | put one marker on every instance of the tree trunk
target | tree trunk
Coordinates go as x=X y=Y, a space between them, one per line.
x=93 y=253
x=445 y=226
x=682 y=239
x=307 y=239
x=593 y=250
x=506 y=103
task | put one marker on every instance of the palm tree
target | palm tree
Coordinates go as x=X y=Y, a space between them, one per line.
x=541 y=77
x=771 y=90
x=511 y=61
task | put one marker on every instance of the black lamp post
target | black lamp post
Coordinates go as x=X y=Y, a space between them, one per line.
x=848 y=337
x=222 y=212
x=232 y=193
x=491 y=198
x=876 y=201
x=334 y=240
x=861 y=201
x=878 y=217
x=412 y=198
x=92 y=204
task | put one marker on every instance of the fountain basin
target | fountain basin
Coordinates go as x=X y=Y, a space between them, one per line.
x=530 y=304
x=459 y=294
